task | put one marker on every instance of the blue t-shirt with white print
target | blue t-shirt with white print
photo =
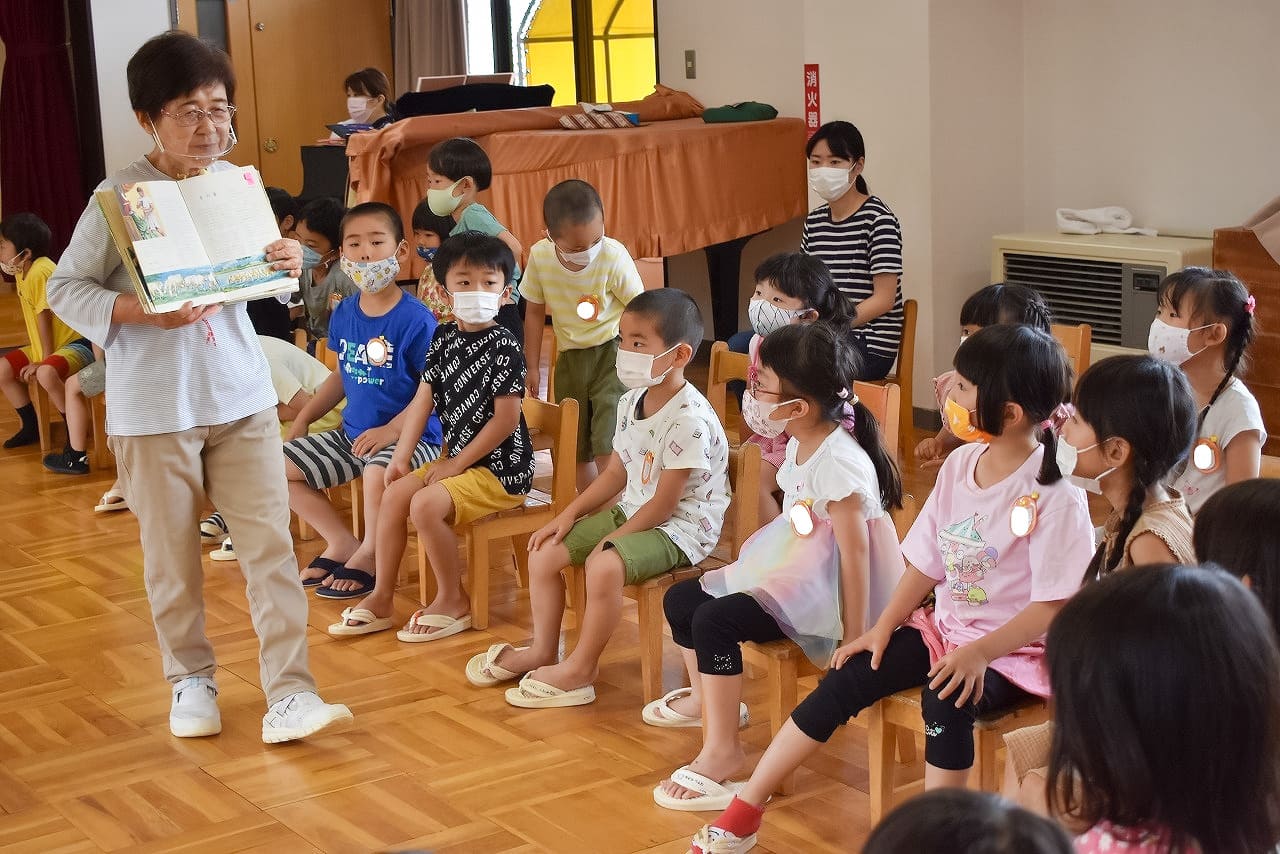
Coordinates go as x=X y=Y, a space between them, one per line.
x=381 y=360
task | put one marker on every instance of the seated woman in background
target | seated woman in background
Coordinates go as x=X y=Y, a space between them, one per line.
x=369 y=100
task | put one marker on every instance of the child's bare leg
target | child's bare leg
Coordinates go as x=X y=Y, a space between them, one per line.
x=374 y=485
x=722 y=754
x=76 y=415
x=690 y=704
x=942 y=778
x=392 y=536
x=433 y=514
x=14 y=389
x=313 y=506
x=787 y=752
x=605 y=576
x=546 y=601
x=47 y=376
x=769 y=509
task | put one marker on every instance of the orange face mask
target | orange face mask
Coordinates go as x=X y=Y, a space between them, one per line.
x=960 y=424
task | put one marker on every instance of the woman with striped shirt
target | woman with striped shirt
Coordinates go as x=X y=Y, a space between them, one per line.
x=858 y=237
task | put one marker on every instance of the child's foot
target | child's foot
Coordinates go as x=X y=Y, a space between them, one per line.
x=523 y=660
x=318 y=570
x=733 y=832
x=718 y=767
x=25 y=436
x=68 y=462
x=423 y=627
x=358 y=562
x=565 y=675
x=377 y=605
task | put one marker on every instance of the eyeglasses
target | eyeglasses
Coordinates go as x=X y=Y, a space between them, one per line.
x=193 y=117
x=756 y=390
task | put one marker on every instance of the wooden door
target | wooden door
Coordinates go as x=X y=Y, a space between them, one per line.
x=301 y=52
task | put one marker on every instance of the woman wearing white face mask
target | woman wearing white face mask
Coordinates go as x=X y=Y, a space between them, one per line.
x=368 y=100
x=858 y=237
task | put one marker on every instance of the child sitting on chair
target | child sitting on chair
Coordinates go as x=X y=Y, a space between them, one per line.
x=429 y=231
x=670 y=460
x=474 y=377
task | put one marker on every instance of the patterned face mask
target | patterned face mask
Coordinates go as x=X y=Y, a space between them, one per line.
x=767 y=317
x=371 y=276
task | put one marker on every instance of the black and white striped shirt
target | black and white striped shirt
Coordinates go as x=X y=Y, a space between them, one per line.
x=869 y=242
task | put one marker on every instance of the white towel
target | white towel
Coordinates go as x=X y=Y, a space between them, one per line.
x=1108 y=220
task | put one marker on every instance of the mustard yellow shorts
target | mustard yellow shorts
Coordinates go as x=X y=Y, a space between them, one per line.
x=476 y=493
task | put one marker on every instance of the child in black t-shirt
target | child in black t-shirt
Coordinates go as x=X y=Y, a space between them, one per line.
x=474 y=379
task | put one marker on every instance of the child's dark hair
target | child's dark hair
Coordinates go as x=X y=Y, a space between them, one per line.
x=806 y=278
x=1012 y=363
x=845 y=140
x=476 y=247
x=1231 y=532
x=26 y=231
x=962 y=821
x=817 y=362
x=1166 y=691
x=674 y=314
x=1150 y=405
x=1214 y=296
x=372 y=82
x=324 y=216
x=389 y=213
x=1001 y=303
x=425 y=220
x=571 y=202
x=459 y=158
x=283 y=204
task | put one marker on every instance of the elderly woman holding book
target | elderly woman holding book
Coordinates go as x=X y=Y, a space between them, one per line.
x=191 y=412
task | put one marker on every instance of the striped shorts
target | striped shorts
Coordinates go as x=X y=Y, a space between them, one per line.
x=325 y=459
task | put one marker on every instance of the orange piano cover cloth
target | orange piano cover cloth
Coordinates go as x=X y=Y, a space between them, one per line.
x=675 y=184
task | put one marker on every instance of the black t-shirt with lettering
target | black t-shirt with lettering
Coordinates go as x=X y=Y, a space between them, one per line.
x=467 y=370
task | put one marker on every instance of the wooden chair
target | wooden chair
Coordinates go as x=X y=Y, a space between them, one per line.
x=743 y=514
x=100 y=454
x=903 y=372
x=355 y=487
x=45 y=411
x=726 y=366
x=558 y=423
x=1270 y=467
x=325 y=355
x=1075 y=340
x=899 y=715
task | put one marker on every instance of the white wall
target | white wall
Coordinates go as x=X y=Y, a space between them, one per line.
x=119 y=29
x=1167 y=107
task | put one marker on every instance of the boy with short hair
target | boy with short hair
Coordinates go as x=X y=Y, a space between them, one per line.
x=56 y=351
x=474 y=378
x=670 y=462
x=458 y=169
x=586 y=279
x=429 y=231
x=381 y=338
x=324 y=285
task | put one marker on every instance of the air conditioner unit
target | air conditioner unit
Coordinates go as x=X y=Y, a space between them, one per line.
x=1108 y=281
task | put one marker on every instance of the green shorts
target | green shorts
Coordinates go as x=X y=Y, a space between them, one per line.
x=590 y=376
x=645 y=554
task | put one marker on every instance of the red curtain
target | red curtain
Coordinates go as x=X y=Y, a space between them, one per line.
x=39 y=161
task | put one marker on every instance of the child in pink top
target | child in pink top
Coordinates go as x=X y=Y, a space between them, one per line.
x=1166 y=689
x=791 y=287
x=1002 y=542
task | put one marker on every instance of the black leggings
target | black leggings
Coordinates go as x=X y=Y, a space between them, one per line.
x=713 y=627
x=948 y=731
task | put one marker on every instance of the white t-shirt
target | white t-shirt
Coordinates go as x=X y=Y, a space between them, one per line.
x=294 y=370
x=1234 y=412
x=837 y=469
x=684 y=434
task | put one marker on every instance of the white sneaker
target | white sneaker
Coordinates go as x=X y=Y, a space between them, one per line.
x=194 y=712
x=300 y=715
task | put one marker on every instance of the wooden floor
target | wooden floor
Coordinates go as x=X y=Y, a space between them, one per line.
x=87 y=762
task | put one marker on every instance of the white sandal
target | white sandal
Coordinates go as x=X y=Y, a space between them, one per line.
x=660 y=713
x=113 y=499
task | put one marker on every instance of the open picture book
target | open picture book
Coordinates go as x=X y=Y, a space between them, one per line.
x=199 y=241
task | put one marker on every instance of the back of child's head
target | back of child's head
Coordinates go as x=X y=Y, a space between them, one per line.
x=962 y=821
x=378 y=209
x=844 y=140
x=1214 y=296
x=473 y=247
x=283 y=204
x=1013 y=363
x=27 y=232
x=674 y=315
x=425 y=220
x=460 y=158
x=818 y=363
x=1236 y=529
x=1149 y=404
x=1001 y=303
x=1166 y=692
x=805 y=277
x=572 y=202
x=324 y=215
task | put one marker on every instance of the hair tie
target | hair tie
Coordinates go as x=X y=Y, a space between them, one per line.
x=843 y=394
x=1250 y=303
x=1058 y=417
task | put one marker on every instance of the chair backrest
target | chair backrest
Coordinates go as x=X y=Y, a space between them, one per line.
x=325 y=355
x=725 y=366
x=1076 y=341
x=904 y=371
x=559 y=422
x=1270 y=467
x=883 y=403
x=550 y=335
x=744 y=480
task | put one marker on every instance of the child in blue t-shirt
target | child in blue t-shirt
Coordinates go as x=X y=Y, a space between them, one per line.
x=381 y=338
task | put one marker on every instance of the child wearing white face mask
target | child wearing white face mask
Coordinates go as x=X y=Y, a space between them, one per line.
x=1204 y=325
x=474 y=378
x=670 y=462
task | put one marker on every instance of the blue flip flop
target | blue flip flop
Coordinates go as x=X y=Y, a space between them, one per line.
x=328 y=565
x=346 y=573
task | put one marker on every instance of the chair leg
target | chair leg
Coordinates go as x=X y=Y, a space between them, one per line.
x=783 y=679
x=44 y=417
x=575 y=578
x=520 y=552
x=879 y=762
x=98 y=418
x=650 y=615
x=304 y=530
x=425 y=576
x=357 y=495
x=478 y=558
x=984 y=756
x=906 y=746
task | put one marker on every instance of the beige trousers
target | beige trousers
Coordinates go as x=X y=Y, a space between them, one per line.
x=239 y=467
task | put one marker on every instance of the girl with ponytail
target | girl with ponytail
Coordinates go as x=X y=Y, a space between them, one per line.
x=1204 y=325
x=820 y=573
